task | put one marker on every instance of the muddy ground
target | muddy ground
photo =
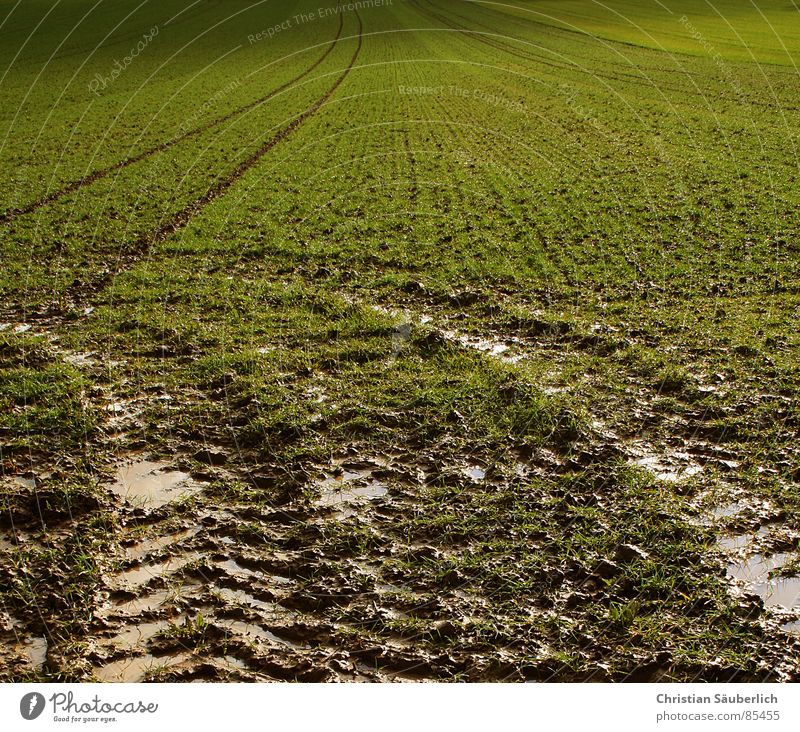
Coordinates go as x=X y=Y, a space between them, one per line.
x=328 y=381
x=610 y=548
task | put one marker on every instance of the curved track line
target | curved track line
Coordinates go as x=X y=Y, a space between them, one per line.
x=180 y=219
x=75 y=185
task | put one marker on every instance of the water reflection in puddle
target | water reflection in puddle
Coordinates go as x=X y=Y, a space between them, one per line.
x=146 y=547
x=131 y=670
x=234 y=662
x=79 y=359
x=149 y=484
x=347 y=488
x=667 y=471
x=475 y=472
x=501 y=350
x=255 y=631
x=143 y=604
x=36 y=651
x=240 y=597
x=141 y=575
x=22 y=482
x=735 y=543
x=135 y=635
x=151 y=602
x=727 y=510
x=231 y=566
x=390 y=588
x=755 y=571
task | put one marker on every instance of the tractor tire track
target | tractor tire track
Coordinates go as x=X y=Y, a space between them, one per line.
x=82 y=293
x=180 y=219
x=75 y=185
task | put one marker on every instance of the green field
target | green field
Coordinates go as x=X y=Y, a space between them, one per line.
x=405 y=340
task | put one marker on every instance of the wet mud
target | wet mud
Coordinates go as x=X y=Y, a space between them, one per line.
x=215 y=570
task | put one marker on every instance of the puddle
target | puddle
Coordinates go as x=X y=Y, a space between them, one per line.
x=730 y=509
x=151 y=602
x=667 y=472
x=36 y=650
x=143 y=604
x=672 y=467
x=236 y=663
x=502 y=350
x=80 y=359
x=136 y=635
x=389 y=588
x=350 y=475
x=256 y=631
x=792 y=627
x=521 y=470
x=240 y=597
x=149 y=484
x=141 y=575
x=784 y=591
x=281 y=580
x=349 y=487
x=474 y=472
x=151 y=546
x=231 y=566
x=132 y=670
x=756 y=568
x=29 y=483
x=754 y=573
x=733 y=544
